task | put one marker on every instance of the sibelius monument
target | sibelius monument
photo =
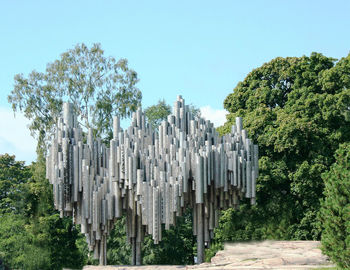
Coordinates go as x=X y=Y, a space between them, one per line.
x=150 y=176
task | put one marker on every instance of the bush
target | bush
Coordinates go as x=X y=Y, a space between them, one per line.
x=297 y=110
x=334 y=215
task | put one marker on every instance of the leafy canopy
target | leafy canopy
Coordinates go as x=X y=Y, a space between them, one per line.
x=13 y=190
x=98 y=86
x=297 y=110
x=157 y=113
x=335 y=209
x=32 y=235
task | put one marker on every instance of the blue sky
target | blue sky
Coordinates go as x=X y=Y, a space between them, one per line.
x=200 y=49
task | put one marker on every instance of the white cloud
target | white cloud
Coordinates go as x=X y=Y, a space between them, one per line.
x=15 y=138
x=216 y=116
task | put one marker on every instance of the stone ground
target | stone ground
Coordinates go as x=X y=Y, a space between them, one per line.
x=253 y=255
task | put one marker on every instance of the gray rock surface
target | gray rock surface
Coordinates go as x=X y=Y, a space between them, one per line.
x=253 y=255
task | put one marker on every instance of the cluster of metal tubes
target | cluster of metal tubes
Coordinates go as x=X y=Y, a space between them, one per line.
x=151 y=176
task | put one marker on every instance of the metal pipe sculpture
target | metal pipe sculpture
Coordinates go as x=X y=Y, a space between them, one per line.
x=151 y=176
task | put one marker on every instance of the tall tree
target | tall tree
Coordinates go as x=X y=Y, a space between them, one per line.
x=335 y=209
x=98 y=86
x=32 y=235
x=16 y=208
x=157 y=113
x=297 y=110
x=13 y=189
x=177 y=245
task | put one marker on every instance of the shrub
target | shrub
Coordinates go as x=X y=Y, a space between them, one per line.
x=334 y=215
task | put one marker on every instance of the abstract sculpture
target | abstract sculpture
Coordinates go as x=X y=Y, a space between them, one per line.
x=151 y=176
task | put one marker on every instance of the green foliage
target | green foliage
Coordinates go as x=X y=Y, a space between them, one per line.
x=212 y=250
x=13 y=191
x=157 y=113
x=98 y=86
x=176 y=246
x=82 y=246
x=16 y=241
x=40 y=190
x=335 y=209
x=58 y=236
x=297 y=110
x=119 y=251
x=32 y=236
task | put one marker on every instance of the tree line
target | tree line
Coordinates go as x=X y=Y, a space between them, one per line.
x=297 y=109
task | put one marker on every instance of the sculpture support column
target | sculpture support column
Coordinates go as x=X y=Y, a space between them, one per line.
x=103 y=250
x=138 y=253
x=133 y=251
x=200 y=234
x=138 y=241
x=136 y=258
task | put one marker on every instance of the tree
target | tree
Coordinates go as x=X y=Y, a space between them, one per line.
x=14 y=241
x=335 y=209
x=59 y=236
x=297 y=110
x=13 y=190
x=16 y=208
x=119 y=252
x=157 y=113
x=13 y=210
x=98 y=86
x=177 y=245
x=32 y=235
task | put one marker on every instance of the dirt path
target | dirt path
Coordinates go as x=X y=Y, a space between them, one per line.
x=253 y=255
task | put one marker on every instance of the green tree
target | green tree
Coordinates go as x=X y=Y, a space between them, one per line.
x=13 y=190
x=177 y=245
x=98 y=86
x=16 y=210
x=119 y=252
x=32 y=235
x=335 y=209
x=13 y=194
x=15 y=243
x=56 y=235
x=157 y=113
x=297 y=110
